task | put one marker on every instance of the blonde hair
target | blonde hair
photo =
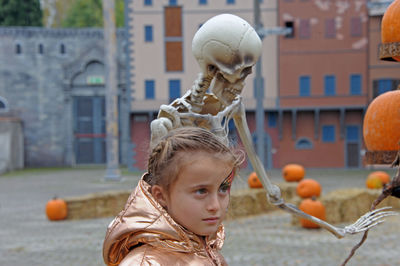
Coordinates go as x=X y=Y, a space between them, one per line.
x=164 y=161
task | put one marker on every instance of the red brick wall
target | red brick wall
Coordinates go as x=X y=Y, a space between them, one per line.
x=140 y=137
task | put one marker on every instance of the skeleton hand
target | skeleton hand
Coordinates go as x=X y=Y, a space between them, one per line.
x=365 y=222
x=368 y=220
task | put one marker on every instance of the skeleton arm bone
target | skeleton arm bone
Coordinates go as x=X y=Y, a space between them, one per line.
x=273 y=191
x=365 y=222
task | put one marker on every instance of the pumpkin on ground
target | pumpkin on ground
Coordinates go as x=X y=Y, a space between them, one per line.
x=253 y=181
x=56 y=209
x=382 y=122
x=312 y=207
x=293 y=172
x=308 y=188
x=374 y=182
x=390 y=25
x=383 y=176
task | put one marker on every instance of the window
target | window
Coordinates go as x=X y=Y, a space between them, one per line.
x=18 y=48
x=290 y=25
x=330 y=85
x=173 y=2
x=202 y=2
x=355 y=27
x=303 y=144
x=384 y=85
x=330 y=28
x=174 y=89
x=328 y=133
x=62 y=48
x=355 y=84
x=304 y=85
x=272 y=119
x=230 y=2
x=148 y=33
x=305 y=29
x=352 y=133
x=148 y=2
x=40 y=49
x=149 y=86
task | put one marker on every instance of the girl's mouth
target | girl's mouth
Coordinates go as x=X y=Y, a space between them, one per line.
x=211 y=220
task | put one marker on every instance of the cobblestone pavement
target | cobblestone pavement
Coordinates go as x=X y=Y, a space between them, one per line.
x=28 y=238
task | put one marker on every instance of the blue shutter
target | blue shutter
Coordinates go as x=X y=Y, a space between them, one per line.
x=230 y=2
x=352 y=134
x=202 y=2
x=272 y=121
x=148 y=33
x=384 y=85
x=355 y=84
x=305 y=85
x=330 y=85
x=174 y=89
x=173 y=2
x=149 y=89
x=328 y=133
x=148 y=2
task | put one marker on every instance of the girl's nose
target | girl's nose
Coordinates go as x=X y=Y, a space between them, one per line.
x=213 y=203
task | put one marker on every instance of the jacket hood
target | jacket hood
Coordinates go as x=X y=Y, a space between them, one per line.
x=145 y=221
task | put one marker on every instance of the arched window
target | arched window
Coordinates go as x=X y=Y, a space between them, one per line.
x=40 y=49
x=3 y=105
x=18 y=48
x=303 y=144
x=62 y=48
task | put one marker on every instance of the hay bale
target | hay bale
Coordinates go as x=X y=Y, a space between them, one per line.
x=347 y=205
x=96 y=205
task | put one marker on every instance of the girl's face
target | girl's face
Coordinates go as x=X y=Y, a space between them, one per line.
x=198 y=198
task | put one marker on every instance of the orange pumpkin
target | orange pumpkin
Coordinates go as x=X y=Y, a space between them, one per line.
x=308 y=188
x=293 y=172
x=390 y=25
x=253 y=181
x=374 y=182
x=382 y=122
x=383 y=176
x=312 y=207
x=56 y=209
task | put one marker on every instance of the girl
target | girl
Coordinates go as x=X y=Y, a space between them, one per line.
x=174 y=215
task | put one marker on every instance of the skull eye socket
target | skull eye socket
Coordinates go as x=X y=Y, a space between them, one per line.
x=245 y=72
x=211 y=69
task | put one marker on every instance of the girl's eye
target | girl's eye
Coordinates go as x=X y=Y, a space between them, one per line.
x=201 y=191
x=224 y=188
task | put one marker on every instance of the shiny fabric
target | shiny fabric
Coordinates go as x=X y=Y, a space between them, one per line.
x=144 y=234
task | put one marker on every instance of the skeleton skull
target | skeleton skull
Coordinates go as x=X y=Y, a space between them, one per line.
x=226 y=47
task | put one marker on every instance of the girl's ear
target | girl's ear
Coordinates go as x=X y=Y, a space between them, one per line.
x=159 y=194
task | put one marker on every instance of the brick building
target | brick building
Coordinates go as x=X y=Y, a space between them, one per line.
x=317 y=82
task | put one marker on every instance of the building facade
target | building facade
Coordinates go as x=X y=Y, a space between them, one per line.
x=53 y=80
x=318 y=81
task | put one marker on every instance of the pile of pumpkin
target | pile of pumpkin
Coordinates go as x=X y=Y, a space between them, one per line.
x=308 y=189
x=377 y=180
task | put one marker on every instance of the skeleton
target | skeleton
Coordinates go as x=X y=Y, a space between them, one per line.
x=226 y=47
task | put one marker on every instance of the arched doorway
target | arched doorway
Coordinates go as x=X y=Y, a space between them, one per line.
x=88 y=108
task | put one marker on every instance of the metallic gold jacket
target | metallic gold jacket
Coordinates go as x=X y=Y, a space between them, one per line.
x=144 y=234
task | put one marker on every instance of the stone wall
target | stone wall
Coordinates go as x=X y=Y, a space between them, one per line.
x=34 y=79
